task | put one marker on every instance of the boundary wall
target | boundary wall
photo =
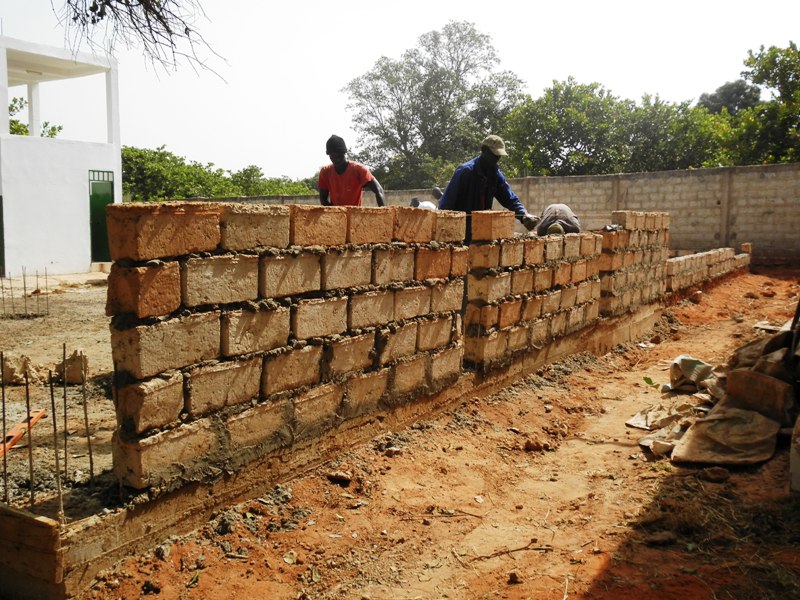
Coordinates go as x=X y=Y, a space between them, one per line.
x=252 y=341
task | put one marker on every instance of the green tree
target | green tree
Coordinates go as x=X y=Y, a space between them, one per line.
x=251 y=182
x=770 y=131
x=434 y=104
x=732 y=96
x=17 y=127
x=572 y=129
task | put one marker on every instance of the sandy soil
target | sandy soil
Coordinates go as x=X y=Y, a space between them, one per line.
x=539 y=491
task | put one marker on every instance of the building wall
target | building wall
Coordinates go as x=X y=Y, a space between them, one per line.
x=46 y=201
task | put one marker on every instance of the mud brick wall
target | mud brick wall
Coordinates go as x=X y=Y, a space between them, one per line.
x=524 y=291
x=241 y=329
x=695 y=269
x=632 y=264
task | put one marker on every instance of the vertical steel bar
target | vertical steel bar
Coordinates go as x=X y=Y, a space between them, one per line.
x=38 y=295
x=24 y=292
x=5 y=439
x=55 y=449
x=66 y=433
x=30 y=438
x=86 y=420
x=11 y=292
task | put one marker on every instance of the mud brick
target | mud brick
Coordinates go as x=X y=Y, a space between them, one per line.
x=539 y=332
x=144 y=291
x=612 y=281
x=450 y=226
x=150 y=404
x=393 y=264
x=635 y=238
x=434 y=334
x=413 y=224
x=352 y=354
x=487 y=348
x=490 y=288
x=512 y=253
x=224 y=384
x=588 y=244
x=569 y=296
x=432 y=264
x=291 y=370
x=650 y=220
x=572 y=245
x=370 y=309
x=317 y=410
x=458 y=327
x=147 y=350
x=592 y=310
x=219 y=280
x=398 y=343
x=411 y=374
x=490 y=225
x=532 y=308
x=553 y=248
x=318 y=225
x=246 y=331
x=665 y=220
x=164 y=456
x=446 y=364
x=247 y=226
x=364 y=392
x=448 y=296
x=542 y=279
x=746 y=248
x=659 y=220
x=584 y=292
x=265 y=426
x=579 y=270
x=611 y=305
x=558 y=324
x=289 y=275
x=575 y=318
x=625 y=218
x=628 y=258
x=522 y=281
x=459 y=265
x=484 y=256
x=562 y=273
x=147 y=231
x=486 y=316
x=350 y=268
x=534 y=251
x=551 y=302
x=319 y=317
x=596 y=289
x=510 y=313
x=611 y=261
x=638 y=256
x=369 y=225
x=518 y=338
x=412 y=302
x=598 y=244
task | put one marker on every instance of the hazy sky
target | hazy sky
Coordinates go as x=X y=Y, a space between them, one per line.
x=278 y=97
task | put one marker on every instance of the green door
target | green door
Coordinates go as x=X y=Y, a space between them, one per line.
x=102 y=194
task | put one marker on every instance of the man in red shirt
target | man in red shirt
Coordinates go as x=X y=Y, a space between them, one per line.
x=341 y=182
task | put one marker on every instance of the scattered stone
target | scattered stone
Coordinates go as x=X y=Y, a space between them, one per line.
x=162 y=552
x=342 y=478
x=533 y=445
x=150 y=587
x=548 y=408
x=751 y=295
x=514 y=578
x=768 y=293
x=696 y=297
x=392 y=451
x=715 y=474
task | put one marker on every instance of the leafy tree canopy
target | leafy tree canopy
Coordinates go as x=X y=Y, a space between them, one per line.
x=17 y=127
x=732 y=96
x=432 y=106
x=151 y=175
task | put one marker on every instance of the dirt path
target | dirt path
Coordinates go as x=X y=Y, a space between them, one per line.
x=539 y=491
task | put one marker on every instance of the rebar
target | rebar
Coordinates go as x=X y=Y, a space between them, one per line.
x=38 y=295
x=55 y=449
x=86 y=420
x=5 y=431
x=30 y=437
x=24 y=292
x=66 y=432
x=11 y=292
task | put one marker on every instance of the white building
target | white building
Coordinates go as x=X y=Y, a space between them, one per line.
x=53 y=192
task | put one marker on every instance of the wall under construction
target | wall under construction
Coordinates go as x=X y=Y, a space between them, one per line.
x=252 y=341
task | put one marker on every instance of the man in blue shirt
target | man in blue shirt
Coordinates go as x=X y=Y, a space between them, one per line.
x=476 y=184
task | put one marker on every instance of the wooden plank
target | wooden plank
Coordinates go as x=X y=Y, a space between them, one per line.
x=31 y=544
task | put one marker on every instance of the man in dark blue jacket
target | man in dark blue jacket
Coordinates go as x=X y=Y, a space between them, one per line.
x=476 y=184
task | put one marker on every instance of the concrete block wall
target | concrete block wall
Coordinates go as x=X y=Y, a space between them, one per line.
x=239 y=330
x=523 y=292
x=632 y=264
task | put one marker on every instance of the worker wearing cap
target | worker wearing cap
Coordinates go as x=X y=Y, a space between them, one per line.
x=341 y=182
x=558 y=219
x=476 y=184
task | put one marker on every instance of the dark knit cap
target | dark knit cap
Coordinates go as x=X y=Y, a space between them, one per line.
x=335 y=145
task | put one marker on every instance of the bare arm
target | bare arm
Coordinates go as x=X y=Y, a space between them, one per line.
x=323 y=198
x=375 y=186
